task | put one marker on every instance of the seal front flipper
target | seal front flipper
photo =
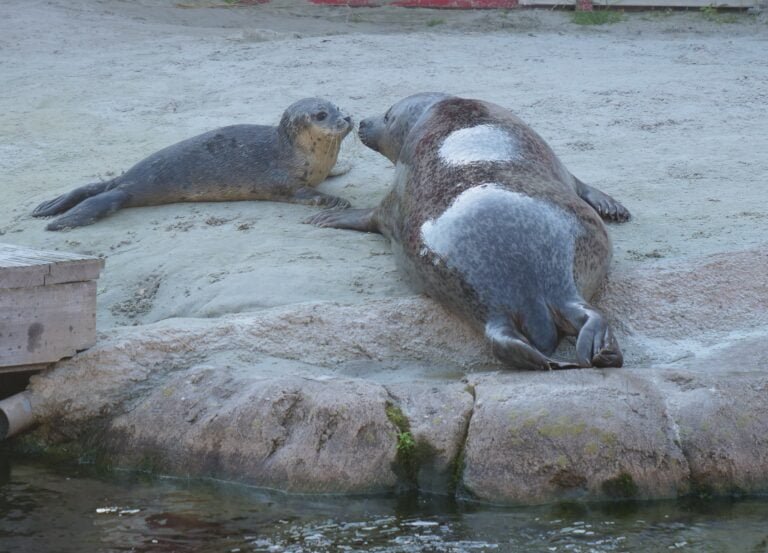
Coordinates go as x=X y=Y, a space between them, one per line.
x=363 y=220
x=596 y=346
x=67 y=201
x=607 y=207
x=91 y=210
x=310 y=196
x=341 y=168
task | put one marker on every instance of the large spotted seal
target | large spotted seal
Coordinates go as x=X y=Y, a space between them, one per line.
x=485 y=218
x=240 y=162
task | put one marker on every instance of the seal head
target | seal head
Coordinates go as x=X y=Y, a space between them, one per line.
x=386 y=134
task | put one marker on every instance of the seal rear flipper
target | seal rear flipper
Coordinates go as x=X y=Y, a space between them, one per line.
x=363 y=220
x=513 y=349
x=538 y=326
x=596 y=346
x=607 y=207
x=91 y=210
x=67 y=201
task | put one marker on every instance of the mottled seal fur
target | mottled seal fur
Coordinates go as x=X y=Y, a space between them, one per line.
x=239 y=162
x=485 y=218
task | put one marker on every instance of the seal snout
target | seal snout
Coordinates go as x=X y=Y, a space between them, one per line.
x=345 y=122
x=364 y=132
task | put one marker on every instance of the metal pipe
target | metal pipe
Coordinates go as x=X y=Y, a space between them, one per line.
x=15 y=414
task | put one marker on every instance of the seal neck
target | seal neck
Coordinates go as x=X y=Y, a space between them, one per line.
x=286 y=131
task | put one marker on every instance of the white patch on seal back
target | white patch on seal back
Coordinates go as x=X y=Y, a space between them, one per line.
x=438 y=234
x=483 y=143
x=543 y=220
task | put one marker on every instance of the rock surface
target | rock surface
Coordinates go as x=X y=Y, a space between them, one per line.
x=301 y=398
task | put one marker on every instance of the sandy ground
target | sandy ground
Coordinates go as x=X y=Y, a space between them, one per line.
x=668 y=113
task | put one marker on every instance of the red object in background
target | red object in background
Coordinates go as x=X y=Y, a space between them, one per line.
x=462 y=4
x=350 y=3
x=456 y=3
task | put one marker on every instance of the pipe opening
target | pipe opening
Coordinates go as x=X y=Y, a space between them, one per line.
x=15 y=415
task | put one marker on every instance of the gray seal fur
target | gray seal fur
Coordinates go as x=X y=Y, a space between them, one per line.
x=239 y=162
x=485 y=218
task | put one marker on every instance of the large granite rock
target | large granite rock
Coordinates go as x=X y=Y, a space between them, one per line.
x=589 y=433
x=295 y=434
x=391 y=393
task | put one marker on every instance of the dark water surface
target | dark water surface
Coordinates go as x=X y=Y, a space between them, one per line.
x=77 y=509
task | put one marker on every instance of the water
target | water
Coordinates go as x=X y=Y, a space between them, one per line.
x=76 y=509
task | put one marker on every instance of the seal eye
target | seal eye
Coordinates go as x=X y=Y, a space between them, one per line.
x=321 y=116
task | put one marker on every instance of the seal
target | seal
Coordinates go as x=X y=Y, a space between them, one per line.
x=239 y=162
x=485 y=218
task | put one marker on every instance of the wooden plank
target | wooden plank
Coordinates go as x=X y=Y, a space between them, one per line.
x=22 y=277
x=75 y=271
x=12 y=255
x=46 y=323
x=646 y=3
x=475 y=4
x=676 y=3
x=24 y=267
x=23 y=369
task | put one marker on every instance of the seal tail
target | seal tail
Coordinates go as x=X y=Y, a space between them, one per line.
x=91 y=210
x=596 y=346
x=67 y=201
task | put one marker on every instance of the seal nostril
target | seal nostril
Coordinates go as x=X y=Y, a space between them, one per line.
x=348 y=119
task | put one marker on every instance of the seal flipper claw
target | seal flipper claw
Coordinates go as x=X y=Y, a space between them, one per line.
x=67 y=201
x=91 y=210
x=607 y=207
x=363 y=220
x=596 y=346
x=606 y=351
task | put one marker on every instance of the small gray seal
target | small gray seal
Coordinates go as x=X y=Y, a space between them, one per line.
x=239 y=162
x=484 y=218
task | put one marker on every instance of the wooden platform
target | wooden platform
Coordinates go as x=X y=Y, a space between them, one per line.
x=47 y=306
